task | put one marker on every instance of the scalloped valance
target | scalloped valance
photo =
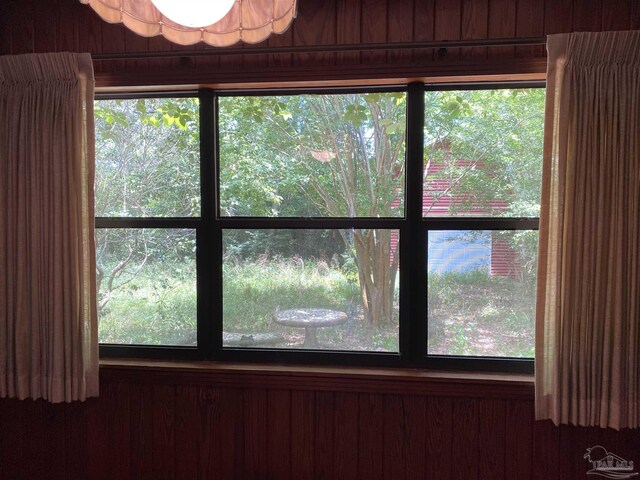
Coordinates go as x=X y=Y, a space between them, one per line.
x=250 y=21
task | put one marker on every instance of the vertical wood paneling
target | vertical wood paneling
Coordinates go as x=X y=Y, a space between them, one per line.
x=346 y=435
x=502 y=24
x=424 y=19
x=616 y=15
x=231 y=433
x=573 y=445
x=279 y=433
x=136 y=43
x=255 y=434
x=374 y=28
x=635 y=15
x=530 y=23
x=67 y=26
x=164 y=432
x=413 y=436
x=348 y=23
x=89 y=33
x=492 y=440
x=54 y=453
x=439 y=438
x=23 y=32
x=323 y=426
x=302 y=434
x=187 y=420
x=393 y=467
x=315 y=25
x=587 y=15
x=12 y=426
x=113 y=41
x=465 y=438
x=448 y=18
x=46 y=31
x=208 y=432
x=519 y=439
x=370 y=437
x=400 y=28
x=558 y=16
x=141 y=411
x=75 y=440
x=475 y=20
x=546 y=451
x=33 y=440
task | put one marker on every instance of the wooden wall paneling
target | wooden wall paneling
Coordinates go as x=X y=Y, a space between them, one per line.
x=46 y=27
x=414 y=436
x=33 y=439
x=136 y=43
x=587 y=15
x=465 y=438
x=22 y=27
x=255 y=430
x=400 y=28
x=348 y=26
x=393 y=433
x=475 y=23
x=160 y=44
x=89 y=32
x=439 y=438
x=346 y=435
x=502 y=24
x=448 y=18
x=315 y=25
x=164 y=432
x=492 y=446
x=546 y=451
x=628 y=444
x=424 y=20
x=530 y=19
x=141 y=414
x=208 y=432
x=374 y=29
x=5 y=32
x=302 y=434
x=558 y=16
x=11 y=437
x=188 y=421
x=324 y=436
x=67 y=25
x=616 y=15
x=208 y=63
x=370 y=436
x=113 y=42
x=282 y=40
x=75 y=440
x=635 y=15
x=519 y=439
x=279 y=434
x=231 y=433
x=54 y=428
x=573 y=446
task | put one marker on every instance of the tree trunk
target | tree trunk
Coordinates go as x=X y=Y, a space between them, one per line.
x=377 y=274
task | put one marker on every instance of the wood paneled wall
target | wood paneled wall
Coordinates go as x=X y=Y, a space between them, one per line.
x=164 y=424
x=59 y=25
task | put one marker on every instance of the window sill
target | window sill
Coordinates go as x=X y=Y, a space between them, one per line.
x=348 y=379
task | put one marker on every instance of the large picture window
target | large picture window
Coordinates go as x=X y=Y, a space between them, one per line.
x=386 y=226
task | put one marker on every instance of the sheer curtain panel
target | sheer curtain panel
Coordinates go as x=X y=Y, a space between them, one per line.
x=588 y=310
x=48 y=320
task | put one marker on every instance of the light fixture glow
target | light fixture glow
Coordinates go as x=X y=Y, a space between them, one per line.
x=194 y=13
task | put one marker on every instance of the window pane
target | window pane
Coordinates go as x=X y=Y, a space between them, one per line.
x=313 y=155
x=481 y=288
x=483 y=152
x=277 y=281
x=147 y=157
x=146 y=286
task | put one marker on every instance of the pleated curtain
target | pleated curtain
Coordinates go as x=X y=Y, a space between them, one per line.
x=588 y=302
x=48 y=319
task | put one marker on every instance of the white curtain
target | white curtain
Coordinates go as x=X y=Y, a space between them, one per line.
x=588 y=305
x=48 y=319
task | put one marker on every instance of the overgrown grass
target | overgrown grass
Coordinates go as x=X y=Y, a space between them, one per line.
x=254 y=291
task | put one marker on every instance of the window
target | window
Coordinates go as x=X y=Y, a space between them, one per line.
x=386 y=226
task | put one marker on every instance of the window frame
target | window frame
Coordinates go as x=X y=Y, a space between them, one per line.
x=413 y=230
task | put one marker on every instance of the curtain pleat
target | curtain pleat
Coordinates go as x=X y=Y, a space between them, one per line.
x=48 y=319
x=588 y=303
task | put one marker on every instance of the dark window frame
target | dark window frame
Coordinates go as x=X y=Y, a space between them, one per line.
x=413 y=230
